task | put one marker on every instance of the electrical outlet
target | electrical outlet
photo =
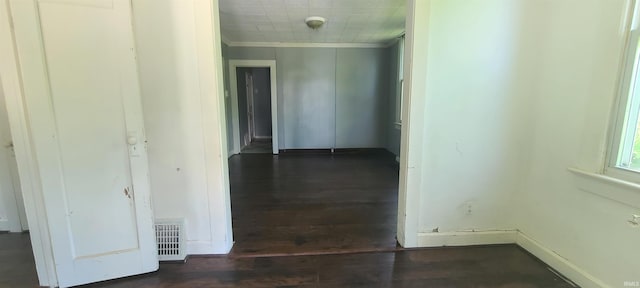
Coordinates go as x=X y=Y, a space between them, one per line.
x=469 y=206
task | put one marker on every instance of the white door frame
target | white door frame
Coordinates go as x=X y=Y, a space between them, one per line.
x=27 y=168
x=413 y=111
x=235 y=120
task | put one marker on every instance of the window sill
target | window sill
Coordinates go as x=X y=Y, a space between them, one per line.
x=622 y=191
x=398 y=125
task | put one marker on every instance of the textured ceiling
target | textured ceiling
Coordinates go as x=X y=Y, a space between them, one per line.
x=348 y=21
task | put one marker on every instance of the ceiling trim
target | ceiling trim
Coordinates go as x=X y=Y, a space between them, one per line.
x=308 y=44
x=224 y=39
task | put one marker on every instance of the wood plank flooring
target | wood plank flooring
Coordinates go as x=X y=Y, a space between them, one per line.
x=288 y=207
x=17 y=267
x=297 y=204
x=493 y=266
x=486 y=266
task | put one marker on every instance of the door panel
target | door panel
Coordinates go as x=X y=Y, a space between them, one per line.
x=84 y=85
x=82 y=95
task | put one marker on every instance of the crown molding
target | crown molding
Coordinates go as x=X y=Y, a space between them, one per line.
x=392 y=41
x=306 y=44
x=224 y=40
x=384 y=44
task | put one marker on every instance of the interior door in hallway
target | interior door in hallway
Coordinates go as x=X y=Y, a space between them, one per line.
x=81 y=91
x=250 y=109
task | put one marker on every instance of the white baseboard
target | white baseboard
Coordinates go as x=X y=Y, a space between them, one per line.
x=557 y=262
x=205 y=248
x=437 y=239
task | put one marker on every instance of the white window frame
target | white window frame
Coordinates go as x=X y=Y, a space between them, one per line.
x=627 y=106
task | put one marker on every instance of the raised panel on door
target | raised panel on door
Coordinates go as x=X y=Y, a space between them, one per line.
x=82 y=96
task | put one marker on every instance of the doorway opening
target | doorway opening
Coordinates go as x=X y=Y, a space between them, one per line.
x=333 y=187
x=254 y=107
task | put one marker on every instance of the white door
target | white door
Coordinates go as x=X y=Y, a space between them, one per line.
x=250 y=109
x=81 y=90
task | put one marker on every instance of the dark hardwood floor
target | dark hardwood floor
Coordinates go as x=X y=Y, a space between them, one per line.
x=489 y=266
x=298 y=204
x=341 y=208
x=17 y=267
x=258 y=146
x=486 y=266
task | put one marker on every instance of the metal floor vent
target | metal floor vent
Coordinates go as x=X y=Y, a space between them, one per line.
x=170 y=238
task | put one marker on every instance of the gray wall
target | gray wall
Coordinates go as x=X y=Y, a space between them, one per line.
x=361 y=98
x=308 y=88
x=393 y=133
x=328 y=97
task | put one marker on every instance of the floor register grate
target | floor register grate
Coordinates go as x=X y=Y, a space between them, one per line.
x=170 y=238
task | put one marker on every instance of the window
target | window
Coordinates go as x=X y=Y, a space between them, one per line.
x=624 y=160
x=400 y=88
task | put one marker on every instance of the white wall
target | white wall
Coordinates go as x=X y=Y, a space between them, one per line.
x=12 y=213
x=181 y=119
x=4 y=121
x=516 y=93
x=578 y=56
x=6 y=195
x=473 y=116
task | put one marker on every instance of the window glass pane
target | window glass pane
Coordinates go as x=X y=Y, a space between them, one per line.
x=635 y=154
x=629 y=153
